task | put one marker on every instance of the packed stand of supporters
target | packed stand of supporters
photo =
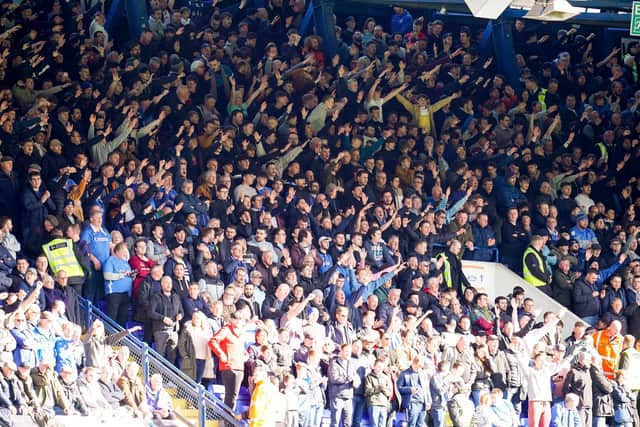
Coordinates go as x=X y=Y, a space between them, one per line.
x=293 y=221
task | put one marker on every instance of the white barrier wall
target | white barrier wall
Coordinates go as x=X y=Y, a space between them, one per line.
x=78 y=421
x=495 y=279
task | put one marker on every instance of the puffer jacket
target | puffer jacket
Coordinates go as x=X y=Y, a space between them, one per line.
x=514 y=374
x=602 y=388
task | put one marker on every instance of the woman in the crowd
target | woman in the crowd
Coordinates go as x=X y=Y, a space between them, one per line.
x=196 y=358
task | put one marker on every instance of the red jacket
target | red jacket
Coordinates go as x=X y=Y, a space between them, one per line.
x=228 y=345
x=143 y=268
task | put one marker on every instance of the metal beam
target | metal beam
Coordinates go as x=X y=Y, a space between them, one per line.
x=325 y=27
x=460 y=6
x=619 y=20
x=505 y=51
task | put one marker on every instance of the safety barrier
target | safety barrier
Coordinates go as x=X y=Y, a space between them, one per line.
x=481 y=253
x=179 y=385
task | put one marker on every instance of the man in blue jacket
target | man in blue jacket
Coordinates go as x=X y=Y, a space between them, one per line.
x=484 y=239
x=401 y=21
x=509 y=196
x=413 y=385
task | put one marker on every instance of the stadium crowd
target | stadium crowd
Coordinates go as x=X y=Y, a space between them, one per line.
x=222 y=173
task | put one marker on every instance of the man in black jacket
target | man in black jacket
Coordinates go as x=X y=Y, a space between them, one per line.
x=248 y=297
x=633 y=308
x=586 y=298
x=69 y=296
x=36 y=205
x=514 y=241
x=149 y=287
x=562 y=283
x=9 y=189
x=275 y=305
x=166 y=312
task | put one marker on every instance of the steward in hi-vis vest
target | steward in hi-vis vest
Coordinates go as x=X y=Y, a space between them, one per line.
x=452 y=268
x=534 y=269
x=61 y=256
x=630 y=361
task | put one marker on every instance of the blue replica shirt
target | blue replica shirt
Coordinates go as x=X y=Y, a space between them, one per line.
x=65 y=353
x=584 y=237
x=98 y=242
x=116 y=279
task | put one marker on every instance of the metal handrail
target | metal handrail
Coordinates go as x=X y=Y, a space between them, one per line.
x=495 y=252
x=170 y=373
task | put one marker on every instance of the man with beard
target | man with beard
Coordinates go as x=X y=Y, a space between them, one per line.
x=248 y=298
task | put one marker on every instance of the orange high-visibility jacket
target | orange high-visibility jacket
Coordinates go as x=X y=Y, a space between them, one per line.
x=609 y=349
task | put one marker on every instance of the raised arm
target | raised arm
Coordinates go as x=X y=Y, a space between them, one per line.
x=374 y=86
x=31 y=298
x=264 y=84
x=395 y=92
x=614 y=52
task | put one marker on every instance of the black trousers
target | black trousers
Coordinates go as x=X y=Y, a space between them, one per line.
x=232 y=381
x=77 y=283
x=118 y=307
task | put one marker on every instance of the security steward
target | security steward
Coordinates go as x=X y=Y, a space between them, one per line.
x=534 y=269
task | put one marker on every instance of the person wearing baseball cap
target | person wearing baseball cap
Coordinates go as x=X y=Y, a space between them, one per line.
x=582 y=232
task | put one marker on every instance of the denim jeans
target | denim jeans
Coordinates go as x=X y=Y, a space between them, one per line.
x=590 y=320
x=416 y=415
x=314 y=416
x=439 y=416
x=377 y=416
x=475 y=396
x=512 y=394
x=200 y=364
x=359 y=405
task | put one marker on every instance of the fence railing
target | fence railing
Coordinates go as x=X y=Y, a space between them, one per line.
x=208 y=406
x=483 y=254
